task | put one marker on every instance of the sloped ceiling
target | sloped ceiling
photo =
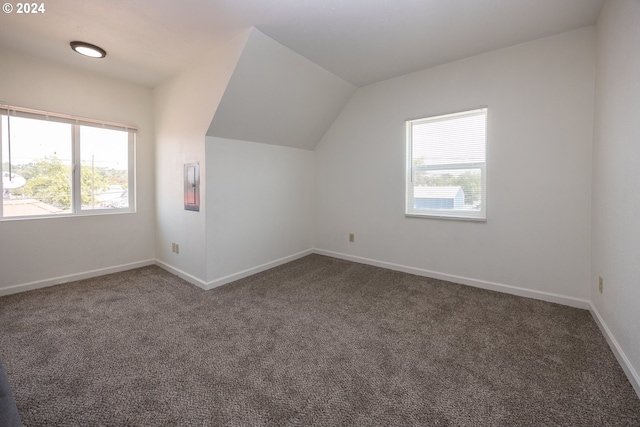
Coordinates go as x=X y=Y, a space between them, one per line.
x=361 y=41
x=278 y=97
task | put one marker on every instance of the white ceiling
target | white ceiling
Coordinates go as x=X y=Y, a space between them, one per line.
x=361 y=41
x=276 y=96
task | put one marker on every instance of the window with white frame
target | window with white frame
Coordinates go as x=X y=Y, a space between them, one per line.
x=59 y=165
x=446 y=165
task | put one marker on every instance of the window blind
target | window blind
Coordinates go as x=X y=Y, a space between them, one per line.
x=446 y=165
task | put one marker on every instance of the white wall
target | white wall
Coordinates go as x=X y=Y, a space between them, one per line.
x=48 y=251
x=260 y=193
x=540 y=97
x=184 y=106
x=259 y=206
x=616 y=179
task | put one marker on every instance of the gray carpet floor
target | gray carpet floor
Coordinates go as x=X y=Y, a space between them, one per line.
x=318 y=341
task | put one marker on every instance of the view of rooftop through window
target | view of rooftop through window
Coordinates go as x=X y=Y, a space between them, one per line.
x=446 y=165
x=39 y=158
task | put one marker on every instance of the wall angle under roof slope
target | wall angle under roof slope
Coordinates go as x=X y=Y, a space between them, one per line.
x=276 y=96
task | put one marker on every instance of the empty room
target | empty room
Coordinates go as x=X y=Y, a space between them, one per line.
x=320 y=213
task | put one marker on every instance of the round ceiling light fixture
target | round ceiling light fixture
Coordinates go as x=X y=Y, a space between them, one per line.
x=88 y=49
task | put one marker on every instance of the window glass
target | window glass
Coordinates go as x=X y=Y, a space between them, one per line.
x=446 y=165
x=104 y=168
x=56 y=165
x=40 y=179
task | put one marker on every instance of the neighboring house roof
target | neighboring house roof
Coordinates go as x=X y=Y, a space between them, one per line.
x=23 y=207
x=114 y=192
x=435 y=192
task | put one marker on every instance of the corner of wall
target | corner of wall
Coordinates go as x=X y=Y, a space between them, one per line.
x=183 y=108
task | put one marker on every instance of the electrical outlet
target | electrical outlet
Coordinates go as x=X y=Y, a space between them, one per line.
x=177 y=248
x=352 y=237
x=600 y=284
x=173 y=247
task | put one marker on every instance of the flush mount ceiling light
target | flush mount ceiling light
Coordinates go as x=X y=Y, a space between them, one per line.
x=88 y=49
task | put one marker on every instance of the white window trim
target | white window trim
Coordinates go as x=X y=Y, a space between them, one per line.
x=479 y=215
x=76 y=122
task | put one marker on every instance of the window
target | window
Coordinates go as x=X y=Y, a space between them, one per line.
x=54 y=164
x=446 y=167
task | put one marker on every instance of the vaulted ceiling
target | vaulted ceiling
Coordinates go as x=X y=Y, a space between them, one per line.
x=276 y=96
x=360 y=41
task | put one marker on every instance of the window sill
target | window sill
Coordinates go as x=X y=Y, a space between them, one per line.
x=447 y=217
x=69 y=215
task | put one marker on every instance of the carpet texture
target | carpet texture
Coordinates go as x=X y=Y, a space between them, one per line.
x=318 y=341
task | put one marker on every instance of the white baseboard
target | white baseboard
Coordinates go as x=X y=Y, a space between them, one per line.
x=231 y=277
x=545 y=296
x=250 y=271
x=182 y=274
x=627 y=367
x=73 y=277
x=483 y=284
